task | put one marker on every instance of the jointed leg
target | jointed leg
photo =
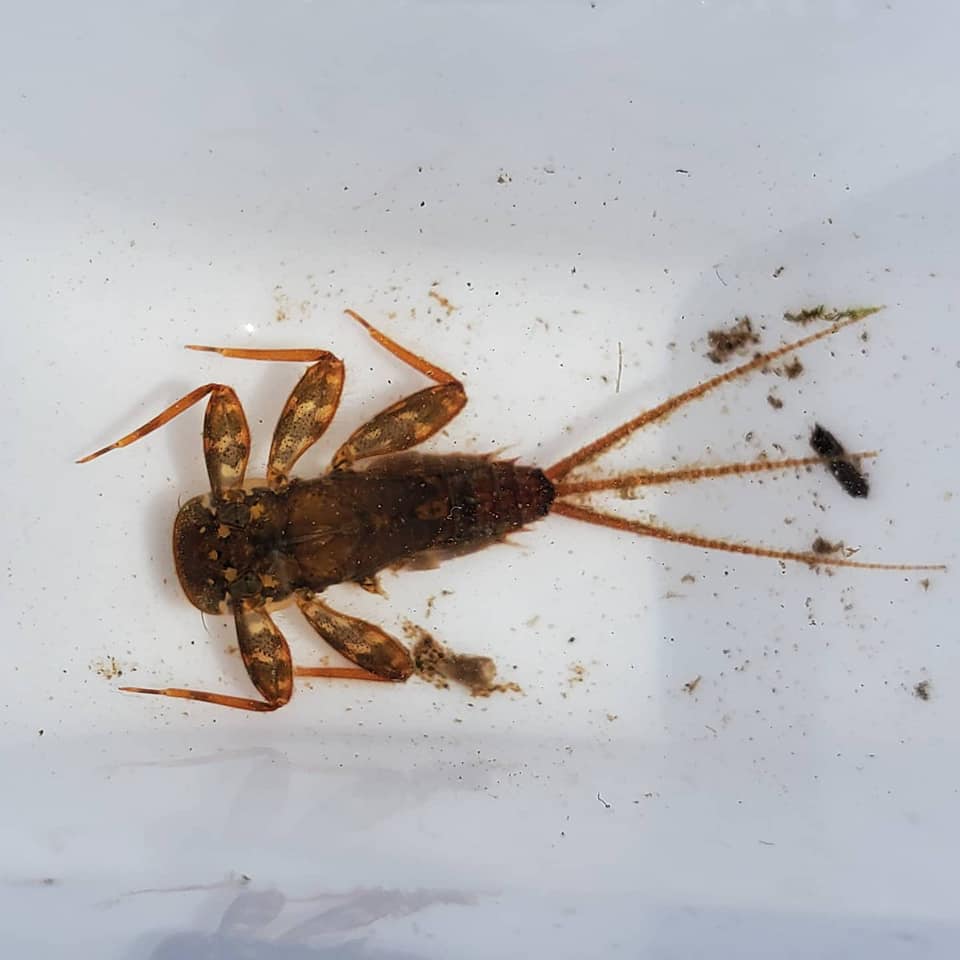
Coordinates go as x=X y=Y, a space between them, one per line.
x=339 y=673
x=226 y=422
x=282 y=355
x=309 y=409
x=226 y=442
x=380 y=656
x=308 y=412
x=592 y=450
x=410 y=421
x=267 y=659
x=226 y=437
x=411 y=359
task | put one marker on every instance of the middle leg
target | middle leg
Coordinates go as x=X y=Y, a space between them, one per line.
x=380 y=656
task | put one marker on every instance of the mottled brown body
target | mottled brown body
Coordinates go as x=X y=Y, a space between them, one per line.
x=351 y=524
x=260 y=546
x=246 y=548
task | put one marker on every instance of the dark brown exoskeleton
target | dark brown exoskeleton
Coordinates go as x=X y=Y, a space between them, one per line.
x=246 y=548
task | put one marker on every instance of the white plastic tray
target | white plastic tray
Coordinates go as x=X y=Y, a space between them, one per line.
x=585 y=182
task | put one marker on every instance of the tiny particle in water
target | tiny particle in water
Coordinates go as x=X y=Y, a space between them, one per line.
x=442 y=300
x=726 y=341
x=793 y=369
x=808 y=315
x=577 y=674
x=820 y=312
x=921 y=690
x=824 y=547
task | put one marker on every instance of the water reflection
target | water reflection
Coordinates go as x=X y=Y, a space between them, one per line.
x=267 y=925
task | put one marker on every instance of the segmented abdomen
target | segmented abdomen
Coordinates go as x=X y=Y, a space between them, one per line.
x=350 y=524
x=484 y=499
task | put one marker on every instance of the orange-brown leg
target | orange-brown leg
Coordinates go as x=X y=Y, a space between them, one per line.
x=267 y=659
x=649 y=478
x=591 y=451
x=226 y=442
x=378 y=655
x=226 y=437
x=306 y=415
x=588 y=515
x=309 y=409
x=409 y=421
x=296 y=355
x=339 y=673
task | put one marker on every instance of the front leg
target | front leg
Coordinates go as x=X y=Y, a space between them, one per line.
x=226 y=436
x=267 y=659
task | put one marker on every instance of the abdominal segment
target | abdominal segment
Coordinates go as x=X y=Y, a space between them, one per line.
x=350 y=524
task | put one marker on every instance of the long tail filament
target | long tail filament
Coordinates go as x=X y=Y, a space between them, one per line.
x=650 y=478
x=576 y=511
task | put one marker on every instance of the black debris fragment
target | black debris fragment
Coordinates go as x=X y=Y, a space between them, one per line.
x=844 y=470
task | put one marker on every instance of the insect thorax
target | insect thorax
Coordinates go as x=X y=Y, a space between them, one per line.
x=231 y=551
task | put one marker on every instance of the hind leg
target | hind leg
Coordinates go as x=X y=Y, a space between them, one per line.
x=411 y=420
x=378 y=655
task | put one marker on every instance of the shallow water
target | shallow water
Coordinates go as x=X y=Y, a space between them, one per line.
x=590 y=188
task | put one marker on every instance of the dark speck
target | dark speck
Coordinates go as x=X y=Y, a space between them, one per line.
x=825 y=443
x=850 y=478
x=844 y=470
